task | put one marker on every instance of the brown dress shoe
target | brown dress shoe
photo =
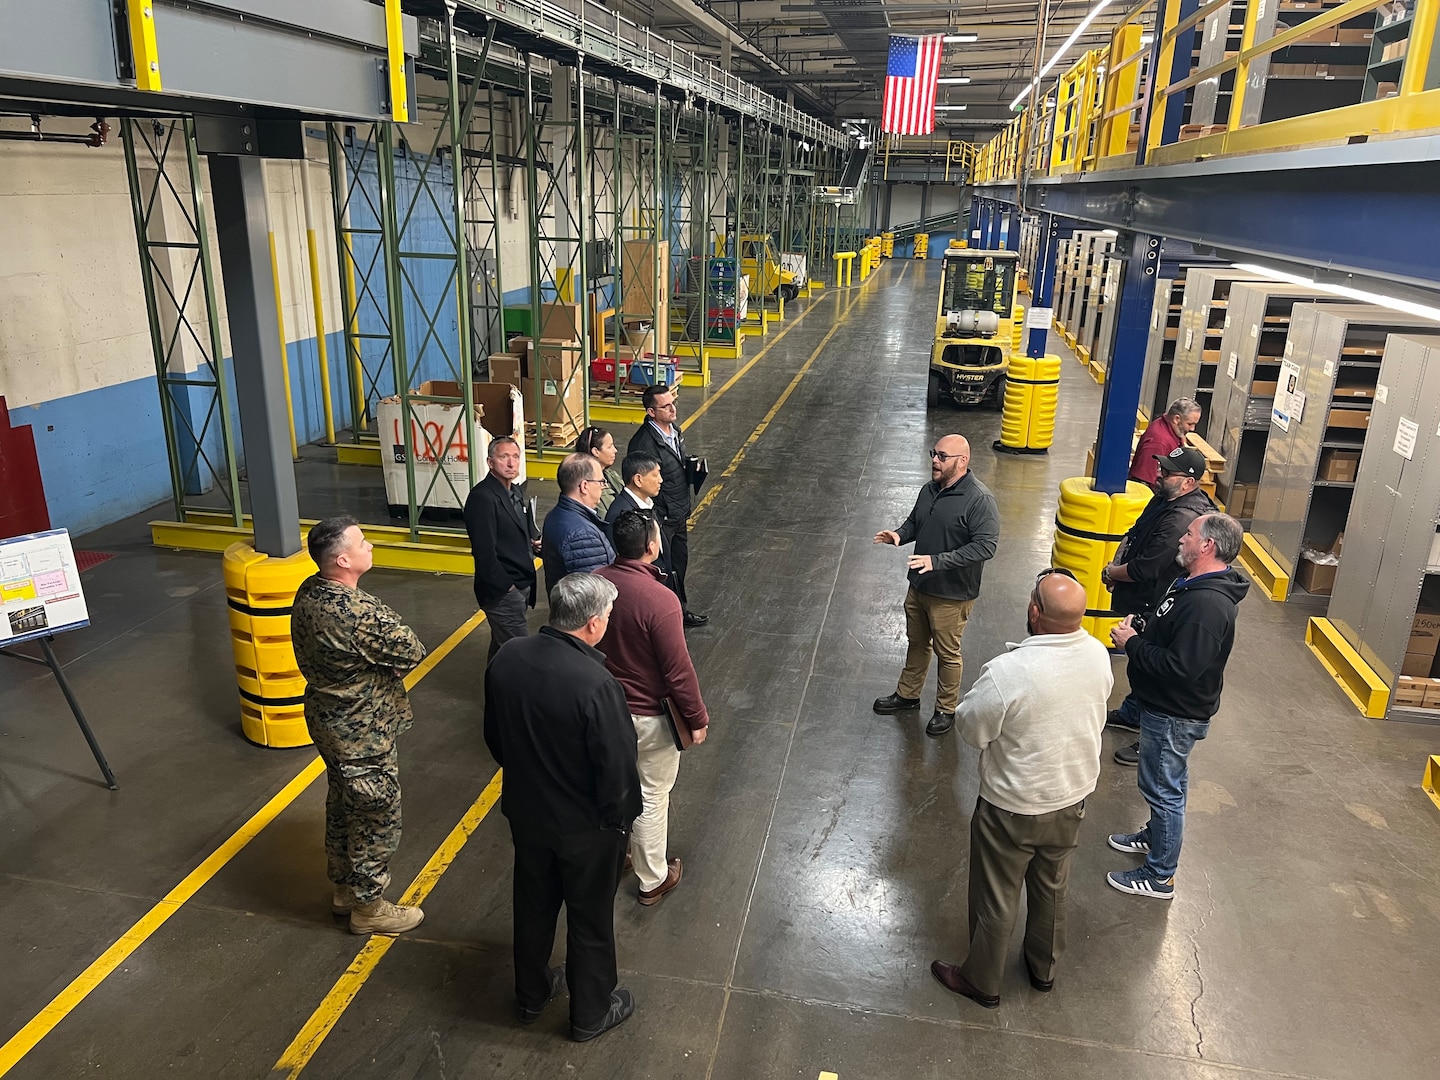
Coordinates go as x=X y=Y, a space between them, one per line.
x=949 y=977
x=672 y=878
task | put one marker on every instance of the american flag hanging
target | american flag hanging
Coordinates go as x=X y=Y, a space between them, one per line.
x=910 y=85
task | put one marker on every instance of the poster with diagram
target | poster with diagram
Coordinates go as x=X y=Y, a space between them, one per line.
x=40 y=592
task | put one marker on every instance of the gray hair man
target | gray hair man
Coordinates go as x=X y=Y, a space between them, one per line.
x=1165 y=433
x=1035 y=714
x=1177 y=670
x=556 y=721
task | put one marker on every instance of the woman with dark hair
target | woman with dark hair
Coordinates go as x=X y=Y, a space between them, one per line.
x=599 y=444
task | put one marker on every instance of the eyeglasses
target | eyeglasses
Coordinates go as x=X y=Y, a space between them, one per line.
x=1041 y=576
x=942 y=457
x=599 y=481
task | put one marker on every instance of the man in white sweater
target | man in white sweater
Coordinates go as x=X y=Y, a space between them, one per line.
x=1035 y=713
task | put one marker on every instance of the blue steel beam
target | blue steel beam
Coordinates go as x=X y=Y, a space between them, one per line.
x=1042 y=284
x=1141 y=255
x=1012 y=228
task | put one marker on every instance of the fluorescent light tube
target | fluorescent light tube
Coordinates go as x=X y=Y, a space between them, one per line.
x=1094 y=13
x=951 y=108
x=1391 y=302
x=960 y=39
x=954 y=80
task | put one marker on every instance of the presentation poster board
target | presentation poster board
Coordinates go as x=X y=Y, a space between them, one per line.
x=40 y=592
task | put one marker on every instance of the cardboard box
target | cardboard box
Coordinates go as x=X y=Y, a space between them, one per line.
x=1354 y=37
x=1362 y=392
x=560 y=322
x=644 y=276
x=504 y=414
x=1385 y=90
x=1432 y=694
x=1316 y=578
x=507 y=368
x=1424 y=633
x=1348 y=418
x=1339 y=465
x=1417 y=664
x=1264 y=387
x=1409 y=692
x=1214 y=460
x=444 y=442
x=554 y=369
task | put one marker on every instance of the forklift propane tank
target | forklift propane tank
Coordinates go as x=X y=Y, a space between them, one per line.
x=972 y=323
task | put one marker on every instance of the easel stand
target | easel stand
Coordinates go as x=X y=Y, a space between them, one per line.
x=54 y=666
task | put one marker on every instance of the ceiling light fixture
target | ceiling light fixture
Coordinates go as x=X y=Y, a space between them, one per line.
x=961 y=39
x=955 y=80
x=1093 y=14
x=1391 y=302
x=951 y=108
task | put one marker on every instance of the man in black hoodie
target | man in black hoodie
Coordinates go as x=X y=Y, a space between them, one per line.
x=956 y=527
x=1177 y=669
x=1144 y=564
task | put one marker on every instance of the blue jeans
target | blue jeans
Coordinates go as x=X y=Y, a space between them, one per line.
x=1165 y=745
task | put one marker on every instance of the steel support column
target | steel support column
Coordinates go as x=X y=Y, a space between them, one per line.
x=1042 y=285
x=243 y=231
x=1140 y=255
x=1012 y=228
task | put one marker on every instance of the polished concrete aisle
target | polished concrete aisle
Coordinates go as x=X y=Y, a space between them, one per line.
x=824 y=846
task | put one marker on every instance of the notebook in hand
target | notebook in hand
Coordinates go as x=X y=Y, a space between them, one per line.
x=679 y=730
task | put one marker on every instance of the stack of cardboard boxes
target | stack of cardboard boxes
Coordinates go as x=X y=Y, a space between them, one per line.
x=644 y=302
x=548 y=371
x=1415 y=689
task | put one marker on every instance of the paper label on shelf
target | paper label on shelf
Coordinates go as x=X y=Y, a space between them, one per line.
x=1254 y=330
x=1297 y=406
x=1155 y=319
x=1189 y=336
x=1233 y=365
x=1039 y=318
x=1405 y=435
x=1382 y=394
x=1289 y=348
x=1227 y=320
x=1329 y=368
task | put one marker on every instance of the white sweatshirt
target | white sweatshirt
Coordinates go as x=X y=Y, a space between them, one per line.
x=1035 y=714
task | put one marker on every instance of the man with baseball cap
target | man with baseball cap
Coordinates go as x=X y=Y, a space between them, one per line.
x=1144 y=564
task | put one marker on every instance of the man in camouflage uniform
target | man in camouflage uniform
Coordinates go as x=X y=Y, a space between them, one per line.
x=354 y=652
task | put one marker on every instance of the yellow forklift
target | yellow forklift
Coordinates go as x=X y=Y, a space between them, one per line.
x=973 y=327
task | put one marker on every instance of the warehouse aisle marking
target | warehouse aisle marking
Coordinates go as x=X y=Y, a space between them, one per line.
x=25 y=1040
x=700 y=409
x=323 y=1020
x=302 y=1048
x=730 y=469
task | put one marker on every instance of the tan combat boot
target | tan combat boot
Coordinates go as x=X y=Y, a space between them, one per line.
x=383 y=917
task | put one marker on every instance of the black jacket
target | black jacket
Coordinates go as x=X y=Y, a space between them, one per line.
x=960 y=528
x=672 y=505
x=500 y=541
x=1177 y=665
x=557 y=723
x=1150 y=547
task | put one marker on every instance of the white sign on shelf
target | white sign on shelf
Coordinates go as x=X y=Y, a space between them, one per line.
x=40 y=593
x=1233 y=365
x=1286 y=408
x=1329 y=368
x=1189 y=336
x=1382 y=394
x=1039 y=318
x=1405 y=434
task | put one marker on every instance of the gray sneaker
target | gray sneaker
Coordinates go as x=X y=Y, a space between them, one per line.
x=383 y=917
x=1132 y=843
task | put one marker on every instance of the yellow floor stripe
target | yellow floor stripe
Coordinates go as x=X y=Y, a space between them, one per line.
x=25 y=1040
x=298 y=1054
x=700 y=409
x=739 y=457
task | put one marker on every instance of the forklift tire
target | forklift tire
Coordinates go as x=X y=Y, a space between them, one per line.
x=789 y=292
x=997 y=398
x=932 y=392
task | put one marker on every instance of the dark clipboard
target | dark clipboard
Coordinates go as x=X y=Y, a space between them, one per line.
x=680 y=732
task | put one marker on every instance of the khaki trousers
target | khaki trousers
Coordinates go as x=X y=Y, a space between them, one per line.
x=658 y=763
x=934 y=621
x=1006 y=851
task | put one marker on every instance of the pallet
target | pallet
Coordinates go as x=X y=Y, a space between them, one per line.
x=559 y=433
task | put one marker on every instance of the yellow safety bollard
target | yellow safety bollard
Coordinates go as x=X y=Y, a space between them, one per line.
x=922 y=245
x=844 y=261
x=1089 y=526
x=887 y=245
x=1032 y=393
x=260 y=591
x=1017 y=329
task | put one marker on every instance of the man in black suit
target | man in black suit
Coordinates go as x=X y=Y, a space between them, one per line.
x=661 y=438
x=503 y=541
x=558 y=725
x=641 y=474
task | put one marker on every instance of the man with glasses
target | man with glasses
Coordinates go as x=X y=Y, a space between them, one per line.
x=574 y=539
x=1177 y=669
x=955 y=527
x=660 y=437
x=1035 y=714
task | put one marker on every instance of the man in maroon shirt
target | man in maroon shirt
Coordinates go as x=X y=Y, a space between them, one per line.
x=645 y=650
x=1165 y=433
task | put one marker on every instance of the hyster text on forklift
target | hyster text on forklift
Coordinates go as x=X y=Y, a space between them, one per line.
x=973 y=327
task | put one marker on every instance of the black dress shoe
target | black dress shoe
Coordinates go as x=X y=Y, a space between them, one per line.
x=694 y=618
x=1037 y=983
x=940 y=724
x=1129 y=756
x=949 y=977
x=895 y=703
x=1116 y=719
x=527 y=1015
x=622 y=1005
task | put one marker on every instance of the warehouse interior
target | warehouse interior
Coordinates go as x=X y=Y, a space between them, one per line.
x=259 y=266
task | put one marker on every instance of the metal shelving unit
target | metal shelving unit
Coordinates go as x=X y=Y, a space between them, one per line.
x=1160 y=345
x=1203 y=312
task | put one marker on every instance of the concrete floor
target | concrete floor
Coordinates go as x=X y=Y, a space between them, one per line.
x=825 y=847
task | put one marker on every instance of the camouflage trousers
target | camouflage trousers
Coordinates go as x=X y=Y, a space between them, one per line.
x=362 y=822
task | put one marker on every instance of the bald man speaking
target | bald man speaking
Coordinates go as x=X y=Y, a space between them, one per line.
x=1035 y=713
x=955 y=527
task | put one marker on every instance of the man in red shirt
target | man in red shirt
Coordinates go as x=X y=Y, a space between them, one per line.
x=645 y=650
x=1165 y=433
